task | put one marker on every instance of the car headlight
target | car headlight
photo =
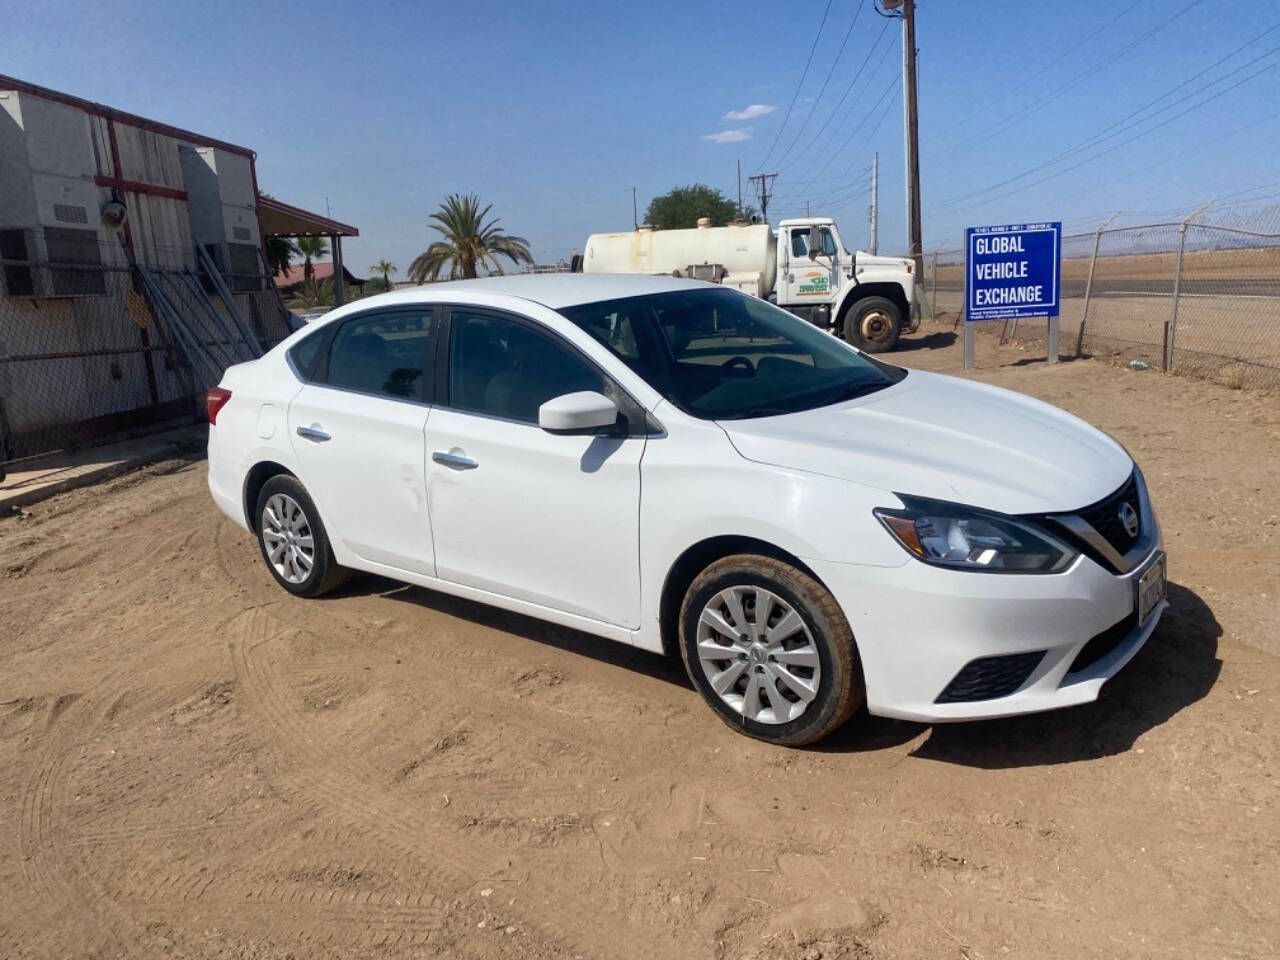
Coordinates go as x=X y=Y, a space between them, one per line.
x=952 y=535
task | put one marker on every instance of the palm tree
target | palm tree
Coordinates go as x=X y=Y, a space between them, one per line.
x=311 y=247
x=386 y=268
x=313 y=293
x=468 y=242
x=280 y=252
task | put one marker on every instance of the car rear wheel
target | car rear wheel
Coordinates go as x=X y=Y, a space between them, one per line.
x=770 y=650
x=293 y=540
x=873 y=324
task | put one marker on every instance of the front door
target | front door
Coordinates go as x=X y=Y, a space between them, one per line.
x=549 y=519
x=358 y=434
x=809 y=280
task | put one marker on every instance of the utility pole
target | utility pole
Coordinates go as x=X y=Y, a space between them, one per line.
x=739 y=186
x=764 y=183
x=875 y=202
x=905 y=10
x=635 y=222
x=915 y=241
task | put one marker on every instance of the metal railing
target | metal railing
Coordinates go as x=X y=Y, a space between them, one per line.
x=1196 y=294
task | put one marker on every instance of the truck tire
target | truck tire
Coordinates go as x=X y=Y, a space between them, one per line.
x=873 y=324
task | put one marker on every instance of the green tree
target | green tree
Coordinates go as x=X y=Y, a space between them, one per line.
x=680 y=208
x=311 y=247
x=386 y=268
x=280 y=252
x=469 y=242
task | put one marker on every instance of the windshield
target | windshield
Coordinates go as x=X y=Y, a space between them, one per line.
x=722 y=355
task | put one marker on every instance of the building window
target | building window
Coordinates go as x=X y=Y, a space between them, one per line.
x=17 y=264
x=65 y=246
x=245 y=273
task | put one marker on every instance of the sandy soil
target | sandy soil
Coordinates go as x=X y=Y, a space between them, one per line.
x=194 y=764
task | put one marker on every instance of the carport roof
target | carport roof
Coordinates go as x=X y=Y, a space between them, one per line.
x=282 y=220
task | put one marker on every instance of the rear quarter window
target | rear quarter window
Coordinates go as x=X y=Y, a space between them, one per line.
x=306 y=353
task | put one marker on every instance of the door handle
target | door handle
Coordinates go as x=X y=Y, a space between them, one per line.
x=314 y=433
x=454 y=460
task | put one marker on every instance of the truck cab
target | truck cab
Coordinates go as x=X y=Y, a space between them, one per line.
x=803 y=266
x=866 y=299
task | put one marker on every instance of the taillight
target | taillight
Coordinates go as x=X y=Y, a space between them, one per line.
x=214 y=401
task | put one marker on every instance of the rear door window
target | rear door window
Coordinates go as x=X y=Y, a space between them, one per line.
x=386 y=354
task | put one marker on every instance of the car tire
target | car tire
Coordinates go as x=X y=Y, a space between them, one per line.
x=293 y=541
x=873 y=324
x=820 y=637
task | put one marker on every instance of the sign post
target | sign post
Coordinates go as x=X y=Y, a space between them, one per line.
x=1012 y=271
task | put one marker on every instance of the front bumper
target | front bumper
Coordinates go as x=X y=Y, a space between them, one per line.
x=917 y=627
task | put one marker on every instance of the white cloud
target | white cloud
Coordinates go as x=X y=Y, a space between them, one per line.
x=753 y=111
x=729 y=136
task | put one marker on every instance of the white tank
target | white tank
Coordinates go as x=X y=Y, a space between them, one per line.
x=744 y=256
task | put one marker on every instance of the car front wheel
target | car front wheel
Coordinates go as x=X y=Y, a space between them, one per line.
x=770 y=650
x=293 y=540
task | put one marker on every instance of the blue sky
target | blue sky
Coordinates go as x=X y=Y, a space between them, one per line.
x=553 y=112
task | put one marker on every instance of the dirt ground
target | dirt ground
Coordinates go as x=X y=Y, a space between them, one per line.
x=195 y=764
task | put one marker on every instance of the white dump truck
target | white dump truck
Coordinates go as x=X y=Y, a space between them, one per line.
x=802 y=266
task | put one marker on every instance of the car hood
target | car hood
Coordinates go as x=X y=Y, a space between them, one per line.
x=947 y=439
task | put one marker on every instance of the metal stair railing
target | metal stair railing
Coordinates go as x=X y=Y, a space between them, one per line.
x=211 y=270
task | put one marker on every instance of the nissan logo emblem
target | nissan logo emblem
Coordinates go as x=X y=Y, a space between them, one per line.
x=1129 y=519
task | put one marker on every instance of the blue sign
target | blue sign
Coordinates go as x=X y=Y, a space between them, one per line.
x=1012 y=271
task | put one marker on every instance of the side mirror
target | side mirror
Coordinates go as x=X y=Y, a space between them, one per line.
x=815 y=242
x=575 y=413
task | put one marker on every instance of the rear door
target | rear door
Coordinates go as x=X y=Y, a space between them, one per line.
x=357 y=429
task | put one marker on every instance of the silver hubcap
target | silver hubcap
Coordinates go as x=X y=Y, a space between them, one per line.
x=875 y=326
x=758 y=654
x=291 y=549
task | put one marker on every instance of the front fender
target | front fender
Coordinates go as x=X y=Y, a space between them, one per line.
x=697 y=487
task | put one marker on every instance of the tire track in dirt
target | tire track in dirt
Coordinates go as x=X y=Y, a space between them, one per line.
x=56 y=863
x=355 y=792
x=734 y=848
x=51 y=870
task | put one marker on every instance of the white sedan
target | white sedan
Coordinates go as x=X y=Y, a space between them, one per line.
x=681 y=467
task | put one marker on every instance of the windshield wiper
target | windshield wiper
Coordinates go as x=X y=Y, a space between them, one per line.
x=756 y=412
x=851 y=391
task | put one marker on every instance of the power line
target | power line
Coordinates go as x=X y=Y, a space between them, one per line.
x=849 y=89
x=893 y=82
x=987 y=105
x=838 y=199
x=1122 y=125
x=1146 y=170
x=807 y=63
x=1124 y=143
x=1092 y=71
x=834 y=63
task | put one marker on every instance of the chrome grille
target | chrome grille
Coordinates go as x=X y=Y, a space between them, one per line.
x=1105 y=517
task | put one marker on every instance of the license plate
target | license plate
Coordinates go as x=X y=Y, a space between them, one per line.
x=1151 y=589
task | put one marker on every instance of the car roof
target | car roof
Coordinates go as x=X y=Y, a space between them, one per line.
x=554 y=290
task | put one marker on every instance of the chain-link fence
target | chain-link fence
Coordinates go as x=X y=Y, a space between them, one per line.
x=1199 y=294
x=96 y=343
